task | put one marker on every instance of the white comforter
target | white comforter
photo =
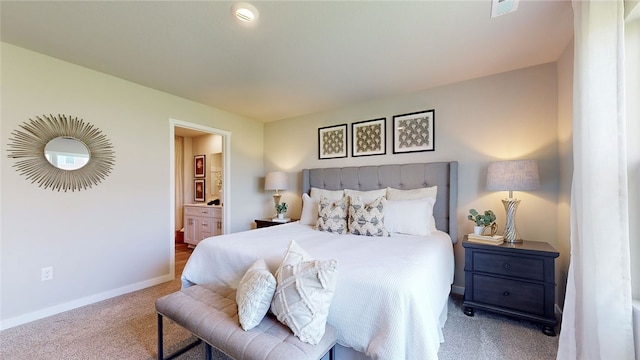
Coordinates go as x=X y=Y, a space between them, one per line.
x=391 y=291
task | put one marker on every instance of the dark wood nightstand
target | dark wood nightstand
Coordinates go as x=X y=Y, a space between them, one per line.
x=261 y=223
x=512 y=279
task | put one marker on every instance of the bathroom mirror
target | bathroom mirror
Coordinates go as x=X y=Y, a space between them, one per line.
x=215 y=161
x=60 y=152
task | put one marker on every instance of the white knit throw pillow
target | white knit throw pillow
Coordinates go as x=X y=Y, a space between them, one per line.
x=254 y=294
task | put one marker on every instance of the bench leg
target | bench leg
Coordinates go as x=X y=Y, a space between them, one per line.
x=178 y=352
x=160 y=346
x=207 y=351
x=332 y=353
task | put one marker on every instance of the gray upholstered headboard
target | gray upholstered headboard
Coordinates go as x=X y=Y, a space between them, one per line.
x=404 y=176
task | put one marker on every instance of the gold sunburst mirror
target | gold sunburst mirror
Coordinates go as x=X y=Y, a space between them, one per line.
x=60 y=152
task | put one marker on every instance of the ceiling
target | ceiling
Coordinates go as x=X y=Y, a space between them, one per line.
x=300 y=57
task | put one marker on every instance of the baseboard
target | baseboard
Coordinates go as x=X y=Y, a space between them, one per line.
x=53 y=310
x=458 y=290
x=558 y=311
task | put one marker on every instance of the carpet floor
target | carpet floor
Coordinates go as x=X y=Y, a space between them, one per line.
x=124 y=327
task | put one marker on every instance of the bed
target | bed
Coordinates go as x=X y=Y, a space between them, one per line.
x=391 y=296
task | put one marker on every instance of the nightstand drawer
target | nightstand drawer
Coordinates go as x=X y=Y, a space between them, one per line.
x=511 y=294
x=517 y=266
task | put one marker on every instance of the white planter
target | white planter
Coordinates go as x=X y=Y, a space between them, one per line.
x=478 y=230
x=281 y=216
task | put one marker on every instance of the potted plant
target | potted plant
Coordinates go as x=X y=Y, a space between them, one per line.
x=481 y=221
x=281 y=208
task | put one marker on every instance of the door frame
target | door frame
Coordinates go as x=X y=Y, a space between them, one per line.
x=226 y=176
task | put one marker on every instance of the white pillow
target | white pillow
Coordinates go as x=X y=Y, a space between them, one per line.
x=294 y=255
x=304 y=293
x=414 y=194
x=332 y=215
x=329 y=194
x=367 y=196
x=309 y=215
x=411 y=217
x=421 y=193
x=367 y=218
x=254 y=294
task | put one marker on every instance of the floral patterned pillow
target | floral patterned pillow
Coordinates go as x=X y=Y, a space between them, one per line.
x=332 y=215
x=367 y=219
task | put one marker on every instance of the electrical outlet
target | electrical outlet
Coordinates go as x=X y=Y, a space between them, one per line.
x=46 y=273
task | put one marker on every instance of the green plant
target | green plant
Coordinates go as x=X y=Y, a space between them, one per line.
x=281 y=208
x=485 y=219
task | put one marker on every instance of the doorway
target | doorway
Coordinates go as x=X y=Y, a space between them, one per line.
x=214 y=144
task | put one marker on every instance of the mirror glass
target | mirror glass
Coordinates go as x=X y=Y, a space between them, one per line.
x=66 y=153
x=216 y=175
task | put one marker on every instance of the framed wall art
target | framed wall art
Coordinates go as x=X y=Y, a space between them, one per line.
x=368 y=137
x=198 y=190
x=199 y=166
x=414 y=132
x=332 y=142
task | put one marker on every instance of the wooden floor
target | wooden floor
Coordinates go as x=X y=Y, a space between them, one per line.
x=182 y=255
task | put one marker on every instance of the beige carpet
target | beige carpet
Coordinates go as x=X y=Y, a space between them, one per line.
x=120 y=328
x=125 y=328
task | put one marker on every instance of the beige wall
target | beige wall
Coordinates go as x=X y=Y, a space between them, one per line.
x=565 y=155
x=118 y=236
x=504 y=116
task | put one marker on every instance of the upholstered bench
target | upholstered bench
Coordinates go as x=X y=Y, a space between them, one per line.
x=210 y=313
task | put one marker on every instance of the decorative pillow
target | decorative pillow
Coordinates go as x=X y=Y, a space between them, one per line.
x=329 y=194
x=367 y=196
x=304 y=293
x=294 y=255
x=367 y=218
x=254 y=294
x=309 y=215
x=332 y=216
x=414 y=194
x=411 y=217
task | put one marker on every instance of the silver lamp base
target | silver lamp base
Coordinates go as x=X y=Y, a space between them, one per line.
x=510 y=232
x=276 y=200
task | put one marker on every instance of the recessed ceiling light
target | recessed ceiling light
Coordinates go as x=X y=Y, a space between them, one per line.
x=244 y=12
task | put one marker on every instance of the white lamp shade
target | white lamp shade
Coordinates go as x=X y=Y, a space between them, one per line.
x=513 y=175
x=276 y=180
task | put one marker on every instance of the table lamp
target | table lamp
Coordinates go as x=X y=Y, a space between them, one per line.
x=512 y=175
x=276 y=180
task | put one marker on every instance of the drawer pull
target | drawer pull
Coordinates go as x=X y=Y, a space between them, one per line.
x=506 y=293
x=507 y=266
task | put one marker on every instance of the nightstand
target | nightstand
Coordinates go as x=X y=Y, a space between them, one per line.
x=512 y=279
x=261 y=223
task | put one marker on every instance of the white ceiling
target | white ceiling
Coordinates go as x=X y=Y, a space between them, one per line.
x=301 y=57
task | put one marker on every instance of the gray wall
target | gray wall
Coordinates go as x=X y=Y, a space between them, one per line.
x=504 y=116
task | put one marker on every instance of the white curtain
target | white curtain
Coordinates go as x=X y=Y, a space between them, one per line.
x=597 y=317
x=179 y=180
